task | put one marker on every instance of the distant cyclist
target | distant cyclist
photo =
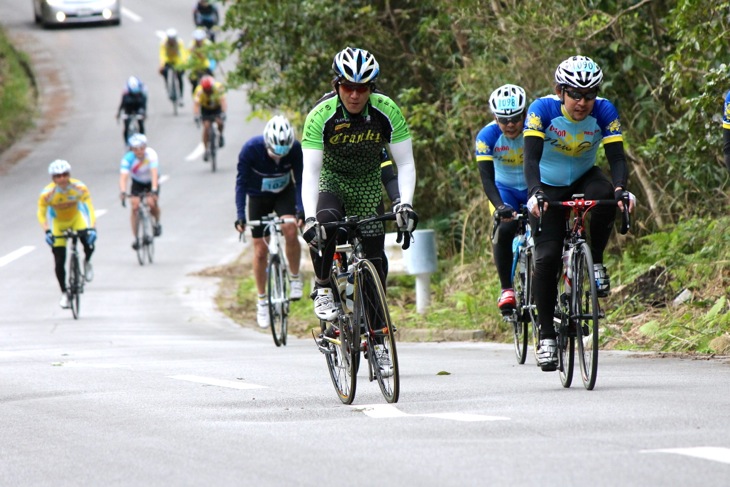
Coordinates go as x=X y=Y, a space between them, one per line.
x=209 y=104
x=199 y=64
x=173 y=57
x=726 y=130
x=499 y=150
x=134 y=102
x=205 y=14
x=65 y=203
x=270 y=175
x=344 y=137
x=563 y=133
x=141 y=165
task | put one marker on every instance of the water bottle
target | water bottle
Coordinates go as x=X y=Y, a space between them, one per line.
x=349 y=289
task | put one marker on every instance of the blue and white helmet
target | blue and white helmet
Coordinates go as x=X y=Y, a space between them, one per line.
x=579 y=72
x=279 y=135
x=137 y=140
x=134 y=85
x=356 y=65
x=507 y=100
x=59 y=166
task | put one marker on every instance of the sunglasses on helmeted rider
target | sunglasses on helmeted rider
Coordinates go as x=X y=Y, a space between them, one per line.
x=516 y=119
x=360 y=88
x=579 y=95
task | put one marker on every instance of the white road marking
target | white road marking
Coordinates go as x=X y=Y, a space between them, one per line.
x=217 y=382
x=16 y=254
x=380 y=411
x=163 y=178
x=98 y=213
x=714 y=453
x=197 y=152
x=131 y=15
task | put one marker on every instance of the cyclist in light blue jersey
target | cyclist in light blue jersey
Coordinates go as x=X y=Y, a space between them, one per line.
x=562 y=135
x=499 y=151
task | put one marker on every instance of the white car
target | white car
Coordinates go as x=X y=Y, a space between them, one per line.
x=60 y=12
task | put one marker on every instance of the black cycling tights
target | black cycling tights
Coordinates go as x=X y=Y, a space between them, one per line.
x=330 y=209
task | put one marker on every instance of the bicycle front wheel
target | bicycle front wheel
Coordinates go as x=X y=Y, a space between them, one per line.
x=149 y=238
x=278 y=300
x=212 y=145
x=74 y=286
x=521 y=315
x=371 y=310
x=140 y=237
x=587 y=314
x=342 y=358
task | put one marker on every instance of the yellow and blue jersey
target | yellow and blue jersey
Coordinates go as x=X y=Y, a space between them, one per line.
x=66 y=206
x=506 y=154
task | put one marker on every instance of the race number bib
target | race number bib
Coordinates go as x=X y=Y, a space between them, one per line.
x=275 y=185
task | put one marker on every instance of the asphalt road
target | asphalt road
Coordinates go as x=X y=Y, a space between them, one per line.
x=154 y=386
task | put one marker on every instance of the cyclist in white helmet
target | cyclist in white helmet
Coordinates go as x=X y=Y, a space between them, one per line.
x=562 y=135
x=344 y=137
x=134 y=102
x=142 y=166
x=270 y=178
x=199 y=63
x=499 y=148
x=173 y=59
x=66 y=203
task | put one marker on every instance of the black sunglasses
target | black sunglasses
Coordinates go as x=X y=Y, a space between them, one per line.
x=513 y=119
x=578 y=96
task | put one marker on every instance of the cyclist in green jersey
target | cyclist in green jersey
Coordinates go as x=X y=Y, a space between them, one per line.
x=343 y=139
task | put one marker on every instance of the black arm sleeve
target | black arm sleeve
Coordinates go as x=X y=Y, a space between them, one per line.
x=617 y=161
x=533 y=154
x=390 y=179
x=726 y=147
x=486 y=171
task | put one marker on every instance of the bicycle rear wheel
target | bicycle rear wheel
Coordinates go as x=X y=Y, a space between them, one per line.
x=587 y=313
x=342 y=358
x=278 y=299
x=372 y=311
x=73 y=289
x=520 y=318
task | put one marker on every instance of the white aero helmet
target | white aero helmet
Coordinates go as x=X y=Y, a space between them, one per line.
x=171 y=34
x=134 y=85
x=579 y=72
x=507 y=100
x=59 y=166
x=199 y=34
x=137 y=140
x=279 y=135
x=356 y=65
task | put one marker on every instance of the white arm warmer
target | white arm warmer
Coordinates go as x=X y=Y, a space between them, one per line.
x=312 y=162
x=402 y=153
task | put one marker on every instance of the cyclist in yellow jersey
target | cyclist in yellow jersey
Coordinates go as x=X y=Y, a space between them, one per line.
x=209 y=103
x=66 y=203
x=199 y=64
x=173 y=55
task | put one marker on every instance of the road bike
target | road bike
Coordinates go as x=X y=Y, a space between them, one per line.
x=577 y=310
x=174 y=88
x=212 y=146
x=133 y=126
x=144 y=229
x=523 y=317
x=363 y=321
x=74 y=275
x=277 y=273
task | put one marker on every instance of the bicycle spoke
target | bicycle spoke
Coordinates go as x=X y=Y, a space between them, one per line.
x=587 y=312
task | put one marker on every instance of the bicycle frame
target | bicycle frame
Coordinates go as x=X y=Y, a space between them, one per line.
x=74 y=278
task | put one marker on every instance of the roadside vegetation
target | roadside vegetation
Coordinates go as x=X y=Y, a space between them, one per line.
x=17 y=94
x=665 y=66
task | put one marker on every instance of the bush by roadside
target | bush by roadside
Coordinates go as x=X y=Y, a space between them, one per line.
x=17 y=93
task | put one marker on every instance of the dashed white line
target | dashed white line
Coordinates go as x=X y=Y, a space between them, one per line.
x=16 y=254
x=217 y=382
x=197 y=152
x=713 y=453
x=131 y=15
x=380 y=411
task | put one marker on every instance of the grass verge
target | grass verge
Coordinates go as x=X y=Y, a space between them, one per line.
x=17 y=93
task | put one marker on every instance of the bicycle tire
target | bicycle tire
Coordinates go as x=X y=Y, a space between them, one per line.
x=278 y=301
x=148 y=243
x=531 y=307
x=565 y=338
x=587 y=314
x=520 y=319
x=74 y=282
x=212 y=146
x=139 y=235
x=342 y=360
x=371 y=309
